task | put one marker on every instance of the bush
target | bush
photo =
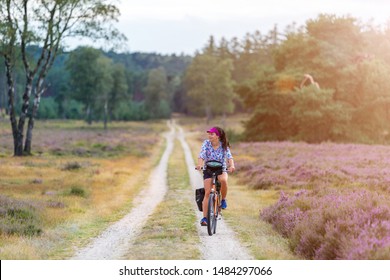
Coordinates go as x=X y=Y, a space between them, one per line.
x=48 y=109
x=271 y=119
x=18 y=218
x=73 y=110
x=78 y=191
x=234 y=137
x=353 y=224
x=307 y=114
x=131 y=111
x=318 y=117
x=72 y=166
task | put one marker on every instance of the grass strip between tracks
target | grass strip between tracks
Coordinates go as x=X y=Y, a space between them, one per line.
x=170 y=233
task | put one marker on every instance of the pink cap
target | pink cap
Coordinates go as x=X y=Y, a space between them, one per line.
x=214 y=130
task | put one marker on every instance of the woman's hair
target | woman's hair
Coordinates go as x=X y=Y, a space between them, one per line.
x=223 y=138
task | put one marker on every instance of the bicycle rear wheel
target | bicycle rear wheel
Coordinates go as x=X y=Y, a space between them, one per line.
x=211 y=215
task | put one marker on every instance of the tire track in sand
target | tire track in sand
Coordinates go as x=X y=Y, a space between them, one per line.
x=114 y=242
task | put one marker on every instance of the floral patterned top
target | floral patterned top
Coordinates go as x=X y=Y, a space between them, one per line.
x=207 y=153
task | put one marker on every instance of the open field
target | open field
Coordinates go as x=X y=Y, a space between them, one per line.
x=80 y=179
x=286 y=200
x=335 y=198
x=76 y=138
x=68 y=192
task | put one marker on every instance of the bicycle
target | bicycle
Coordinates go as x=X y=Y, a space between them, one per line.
x=214 y=203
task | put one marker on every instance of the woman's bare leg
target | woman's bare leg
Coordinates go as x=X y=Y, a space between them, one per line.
x=223 y=178
x=207 y=189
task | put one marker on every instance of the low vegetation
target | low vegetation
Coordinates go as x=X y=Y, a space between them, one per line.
x=243 y=216
x=334 y=224
x=334 y=201
x=18 y=218
x=51 y=203
x=306 y=201
x=286 y=200
x=264 y=165
x=78 y=139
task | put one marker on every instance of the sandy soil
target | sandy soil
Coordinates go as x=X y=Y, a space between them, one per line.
x=114 y=242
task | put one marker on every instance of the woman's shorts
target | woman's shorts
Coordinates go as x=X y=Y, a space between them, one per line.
x=208 y=175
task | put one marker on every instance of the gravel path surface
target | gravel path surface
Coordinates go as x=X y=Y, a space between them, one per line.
x=114 y=242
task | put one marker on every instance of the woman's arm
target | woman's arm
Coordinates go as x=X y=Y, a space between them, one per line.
x=202 y=155
x=231 y=165
x=200 y=164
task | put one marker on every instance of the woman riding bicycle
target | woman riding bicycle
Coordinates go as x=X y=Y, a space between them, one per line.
x=215 y=148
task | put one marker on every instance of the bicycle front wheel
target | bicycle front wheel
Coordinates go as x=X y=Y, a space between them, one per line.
x=211 y=215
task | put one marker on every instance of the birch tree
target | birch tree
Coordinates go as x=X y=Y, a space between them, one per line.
x=45 y=23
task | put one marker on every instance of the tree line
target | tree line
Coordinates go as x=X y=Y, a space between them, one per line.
x=96 y=85
x=323 y=81
x=84 y=83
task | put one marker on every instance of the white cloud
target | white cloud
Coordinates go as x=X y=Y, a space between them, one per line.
x=168 y=26
x=228 y=9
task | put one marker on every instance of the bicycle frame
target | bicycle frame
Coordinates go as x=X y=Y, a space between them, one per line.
x=214 y=204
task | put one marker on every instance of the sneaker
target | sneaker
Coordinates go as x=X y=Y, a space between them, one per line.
x=223 y=204
x=203 y=222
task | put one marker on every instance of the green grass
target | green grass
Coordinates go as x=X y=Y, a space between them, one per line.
x=171 y=232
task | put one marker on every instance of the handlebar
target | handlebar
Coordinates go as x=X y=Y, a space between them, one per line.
x=204 y=168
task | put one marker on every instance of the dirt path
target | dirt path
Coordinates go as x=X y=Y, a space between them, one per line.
x=114 y=242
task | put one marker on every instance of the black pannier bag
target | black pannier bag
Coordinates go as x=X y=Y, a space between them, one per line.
x=199 y=195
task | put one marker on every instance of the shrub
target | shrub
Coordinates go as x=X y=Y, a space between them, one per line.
x=234 y=136
x=48 y=108
x=78 y=191
x=130 y=110
x=55 y=204
x=72 y=166
x=334 y=224
x=298 y=165
x=19 y=218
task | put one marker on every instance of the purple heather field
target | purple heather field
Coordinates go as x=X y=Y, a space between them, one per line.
x=334 y=198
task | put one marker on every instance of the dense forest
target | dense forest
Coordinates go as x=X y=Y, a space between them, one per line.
x=327 y=80
x=73 y=91
x=324 y=81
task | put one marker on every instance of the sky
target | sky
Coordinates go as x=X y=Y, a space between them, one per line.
x=184 y=26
